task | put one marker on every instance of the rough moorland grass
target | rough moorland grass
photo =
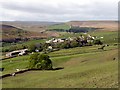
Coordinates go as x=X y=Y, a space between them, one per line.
x=97 y=69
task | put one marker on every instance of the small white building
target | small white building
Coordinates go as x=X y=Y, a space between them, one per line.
x=36 y=50
x=60 y=40
x=48 y=41
x=17 y=53
x=93 y=38
x=55 y=41
x=71 y=39
x=101 y=37
x=50 y=47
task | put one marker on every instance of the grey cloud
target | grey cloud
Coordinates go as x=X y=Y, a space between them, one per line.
x=60 y=11
x=44 y=9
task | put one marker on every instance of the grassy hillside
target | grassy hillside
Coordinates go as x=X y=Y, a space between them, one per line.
x=34 y=26
x=11 y=33
x=59 y=26
x=95 y=68
x=104 y=25
x=108 y=37
x=58 y=54
x=15 y=34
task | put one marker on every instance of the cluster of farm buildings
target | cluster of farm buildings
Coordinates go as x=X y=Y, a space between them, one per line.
x=88 y=37
x=82 y=38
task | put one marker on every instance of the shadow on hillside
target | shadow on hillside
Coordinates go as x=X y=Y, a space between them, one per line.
x=58 y=68
x=19 y=72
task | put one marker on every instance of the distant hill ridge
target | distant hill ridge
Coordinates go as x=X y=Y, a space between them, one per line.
x=106 y=25
x=35 y=26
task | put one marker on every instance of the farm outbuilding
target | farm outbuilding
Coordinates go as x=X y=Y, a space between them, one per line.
x=17 y=53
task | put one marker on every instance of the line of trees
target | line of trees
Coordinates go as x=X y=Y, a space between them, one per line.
x=75 y=29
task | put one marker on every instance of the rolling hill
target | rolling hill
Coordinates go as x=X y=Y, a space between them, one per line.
x=104 y=25
x=36 y=26
x=13 y=34
x=90 y=68
x=36 y=29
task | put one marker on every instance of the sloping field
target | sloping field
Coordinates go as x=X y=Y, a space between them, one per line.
x=59 y=26
x=109 y=37
x=103 y=25
x=82 y=70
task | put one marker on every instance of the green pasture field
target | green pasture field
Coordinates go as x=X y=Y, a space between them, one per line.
x=21 y=62
x=91 y=69
x=108 y=36
x=59 y=26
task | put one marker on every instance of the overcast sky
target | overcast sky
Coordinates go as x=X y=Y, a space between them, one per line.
x=58 y=10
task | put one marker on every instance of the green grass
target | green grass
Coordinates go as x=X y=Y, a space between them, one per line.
x=59 y=26
x=66 y=35
x=91 y=69
x=27 y=43
x=80 y=50
x=34 y=41
x=12 y=64
x=108 y=37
